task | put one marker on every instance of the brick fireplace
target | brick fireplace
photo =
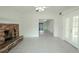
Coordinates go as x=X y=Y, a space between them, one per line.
x=8 y=32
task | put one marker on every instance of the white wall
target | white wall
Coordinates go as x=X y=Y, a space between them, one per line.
x=28 y=23
x=69 y=14
x=59 y=28
x=50 y=26
x=45 y=26
x=55 y=26
x=27 y=18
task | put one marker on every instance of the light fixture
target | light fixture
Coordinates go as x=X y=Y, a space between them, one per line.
x=39 y=8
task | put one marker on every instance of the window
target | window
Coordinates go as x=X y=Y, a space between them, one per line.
x=75 y=28
x=72 y=29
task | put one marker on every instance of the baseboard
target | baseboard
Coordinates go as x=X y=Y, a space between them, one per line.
x=71 y=45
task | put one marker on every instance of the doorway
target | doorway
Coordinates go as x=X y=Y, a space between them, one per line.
x=46 y=26
x=41 y=27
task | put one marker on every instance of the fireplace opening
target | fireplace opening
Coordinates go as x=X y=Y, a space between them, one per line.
x=8 y=35
x=15 y=33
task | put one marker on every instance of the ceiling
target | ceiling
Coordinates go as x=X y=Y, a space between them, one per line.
x=32 y=8
x=29 y=9
x=58 y=9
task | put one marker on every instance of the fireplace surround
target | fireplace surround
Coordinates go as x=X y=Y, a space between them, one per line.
x=9 y=33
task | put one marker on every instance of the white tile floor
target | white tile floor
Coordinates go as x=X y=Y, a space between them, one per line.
x=46 y=43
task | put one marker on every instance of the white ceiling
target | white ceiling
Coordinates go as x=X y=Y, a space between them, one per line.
x=58 y=9
x=29 y=9
x=32 y=8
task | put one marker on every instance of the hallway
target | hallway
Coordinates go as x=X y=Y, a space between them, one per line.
x=46 y=43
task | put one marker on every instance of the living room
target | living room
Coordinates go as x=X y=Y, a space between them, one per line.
x=24 y=21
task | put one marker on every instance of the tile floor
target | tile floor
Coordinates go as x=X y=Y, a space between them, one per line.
x=46 y=43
